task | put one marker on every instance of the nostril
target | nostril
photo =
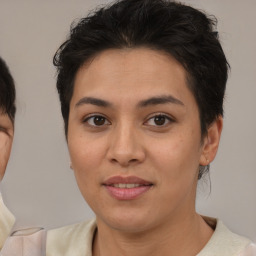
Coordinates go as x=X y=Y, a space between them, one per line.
x=124 y=161
x=113 y=160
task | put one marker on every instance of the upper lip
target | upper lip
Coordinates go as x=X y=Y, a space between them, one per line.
x=126 y=180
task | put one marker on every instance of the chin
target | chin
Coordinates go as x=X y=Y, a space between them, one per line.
x=125 y=222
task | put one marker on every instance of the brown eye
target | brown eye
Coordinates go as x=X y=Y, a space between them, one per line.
x=99 y=120
x=159 y=120
x=96 y=120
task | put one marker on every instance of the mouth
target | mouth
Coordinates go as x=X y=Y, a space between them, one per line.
x=124 y=185
x=126 y=188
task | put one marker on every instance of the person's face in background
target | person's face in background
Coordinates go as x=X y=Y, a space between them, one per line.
x=6 y=138
x=134 y=138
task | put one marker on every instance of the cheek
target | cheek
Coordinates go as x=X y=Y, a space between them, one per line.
x=85 y=151
x=86 y=156
x=5 y=150
x=176 y=162
x=178 y=156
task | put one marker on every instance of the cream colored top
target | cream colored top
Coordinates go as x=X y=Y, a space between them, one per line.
x=6 y=222
x=76 y=240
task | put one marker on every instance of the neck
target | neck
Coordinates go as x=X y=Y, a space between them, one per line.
x=185 y=236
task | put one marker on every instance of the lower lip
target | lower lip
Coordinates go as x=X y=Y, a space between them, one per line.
x=127 y=193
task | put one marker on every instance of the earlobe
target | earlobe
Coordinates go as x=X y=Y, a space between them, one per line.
x=211 y=142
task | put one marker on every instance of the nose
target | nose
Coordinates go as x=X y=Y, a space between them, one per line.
x=126 y=146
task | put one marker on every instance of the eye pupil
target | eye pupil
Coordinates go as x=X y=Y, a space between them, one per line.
x=99 y=120
x=159 y=120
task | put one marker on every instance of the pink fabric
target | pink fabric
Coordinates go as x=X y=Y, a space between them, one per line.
x=249 y=250
x=29 y=242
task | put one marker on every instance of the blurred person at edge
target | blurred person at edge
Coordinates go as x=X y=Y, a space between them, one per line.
x=7 y=114
x=30 y=241
x=141 y=85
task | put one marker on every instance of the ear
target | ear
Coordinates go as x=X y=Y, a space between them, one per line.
x=211 y=142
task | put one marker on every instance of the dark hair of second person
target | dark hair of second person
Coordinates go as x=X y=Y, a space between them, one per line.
x=7 y=91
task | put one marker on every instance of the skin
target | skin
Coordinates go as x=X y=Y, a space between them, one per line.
x=6 y=138
x=129 y=142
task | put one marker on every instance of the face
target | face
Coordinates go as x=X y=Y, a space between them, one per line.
x=6 y=137
x=134 y=139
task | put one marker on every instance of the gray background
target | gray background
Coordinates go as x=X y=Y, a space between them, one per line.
x=39 y=187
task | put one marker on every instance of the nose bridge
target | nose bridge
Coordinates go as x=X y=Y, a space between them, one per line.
x=125 y=146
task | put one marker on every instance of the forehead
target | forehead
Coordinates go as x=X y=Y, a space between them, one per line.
x=138 y=70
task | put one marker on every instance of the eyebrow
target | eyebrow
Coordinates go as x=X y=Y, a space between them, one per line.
x=160 y=100
x=93 y=101
x=144 y=103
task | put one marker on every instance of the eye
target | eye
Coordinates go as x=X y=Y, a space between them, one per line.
x=96 y=120
x=2 y=129
x=159 y=120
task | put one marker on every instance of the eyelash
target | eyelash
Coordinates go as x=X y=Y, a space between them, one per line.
x=93 y=116
x=167 y=120
x=2 y=129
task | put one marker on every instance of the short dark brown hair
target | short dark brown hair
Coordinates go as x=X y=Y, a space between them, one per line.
x=181 y=31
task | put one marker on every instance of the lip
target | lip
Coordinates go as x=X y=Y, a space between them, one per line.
x=121 y=193
x=126 y=180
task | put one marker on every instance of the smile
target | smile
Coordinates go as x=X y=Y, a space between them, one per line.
x=126 y=188
x=124 y=185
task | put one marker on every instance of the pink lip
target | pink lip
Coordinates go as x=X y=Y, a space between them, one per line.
x=126 y=180
x=126 y=193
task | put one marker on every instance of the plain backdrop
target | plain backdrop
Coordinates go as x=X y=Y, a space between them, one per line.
x=39 y=186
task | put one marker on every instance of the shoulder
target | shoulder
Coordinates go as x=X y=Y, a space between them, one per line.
x=73 y=240
x=224 y=242
x=6 y=222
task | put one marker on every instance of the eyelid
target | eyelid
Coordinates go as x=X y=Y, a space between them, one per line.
x=89 y=116
x=93 y=115
x=6 y=131
x=170 y=118
x=3 y=129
